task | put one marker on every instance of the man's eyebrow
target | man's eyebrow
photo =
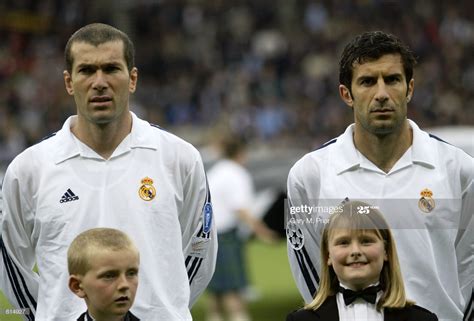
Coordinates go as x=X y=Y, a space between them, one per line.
x=368 y=76
x=389 y=74
x=107 y=64
x=394 y=74
x=82 y=65
x=112 y=63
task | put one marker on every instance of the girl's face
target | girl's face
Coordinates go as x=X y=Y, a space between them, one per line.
x=357 y=257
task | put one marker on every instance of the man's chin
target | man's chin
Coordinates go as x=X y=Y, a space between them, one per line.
x=102 y=118
x=384 y=127
x=383 y=130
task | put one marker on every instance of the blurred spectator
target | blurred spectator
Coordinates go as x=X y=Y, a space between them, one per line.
x=232 y=190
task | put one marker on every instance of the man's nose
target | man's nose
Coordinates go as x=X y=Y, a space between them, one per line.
x=100 y=81
x=381 y=95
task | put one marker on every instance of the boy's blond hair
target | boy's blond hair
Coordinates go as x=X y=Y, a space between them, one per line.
x=391 y=279
x=86 y=243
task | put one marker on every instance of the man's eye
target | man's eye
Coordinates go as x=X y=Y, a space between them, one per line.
x=110 y=69
x=392 y=79
x=367 y=82
x=86 y=70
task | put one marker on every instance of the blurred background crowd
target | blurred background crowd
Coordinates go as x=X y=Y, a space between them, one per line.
x=267 y=69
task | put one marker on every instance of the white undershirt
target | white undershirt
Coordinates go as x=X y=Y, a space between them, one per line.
x=358 y=310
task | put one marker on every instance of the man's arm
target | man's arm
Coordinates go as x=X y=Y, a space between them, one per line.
x=465 y=237
x=17 y=280
x=199 y=233
x=303 y=238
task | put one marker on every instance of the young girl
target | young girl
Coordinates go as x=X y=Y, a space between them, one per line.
x=361 y=279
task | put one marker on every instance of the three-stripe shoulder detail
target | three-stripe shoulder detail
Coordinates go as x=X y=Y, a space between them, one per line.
x=332 y=141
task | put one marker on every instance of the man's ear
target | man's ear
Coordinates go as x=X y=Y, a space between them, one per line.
x=346 y=96
x=410 y=89
x=75 y=285
x=68 y=82
x=133 y=80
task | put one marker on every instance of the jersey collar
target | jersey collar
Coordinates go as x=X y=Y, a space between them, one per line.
x=346 y=157
x=141 y=136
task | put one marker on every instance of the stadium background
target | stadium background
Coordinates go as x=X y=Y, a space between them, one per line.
x=265 y=70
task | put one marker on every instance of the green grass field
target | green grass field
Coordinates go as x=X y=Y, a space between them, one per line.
x=269 y=273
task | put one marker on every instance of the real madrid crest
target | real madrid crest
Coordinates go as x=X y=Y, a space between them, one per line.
x=426 y=202
x=147 y=191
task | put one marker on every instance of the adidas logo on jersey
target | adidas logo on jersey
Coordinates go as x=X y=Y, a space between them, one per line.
x=69 y=196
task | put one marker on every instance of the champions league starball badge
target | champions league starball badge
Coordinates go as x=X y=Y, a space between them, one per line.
x=294 y=235
x=426 y=203
x=147 y=191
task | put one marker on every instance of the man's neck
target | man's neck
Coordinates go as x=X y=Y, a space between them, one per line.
x=103 y=139
x=384 y=150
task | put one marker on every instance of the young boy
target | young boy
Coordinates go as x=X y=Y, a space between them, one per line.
x=103 y=270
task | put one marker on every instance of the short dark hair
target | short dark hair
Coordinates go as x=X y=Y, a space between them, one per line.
x=232 y=146
x=97 y=34
x=371 y=46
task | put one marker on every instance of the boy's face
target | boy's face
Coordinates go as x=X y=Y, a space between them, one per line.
x=357 y=257
x=110 y=285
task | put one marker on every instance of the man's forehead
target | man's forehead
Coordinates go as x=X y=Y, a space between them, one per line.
x=85 y=52
x=388 y=62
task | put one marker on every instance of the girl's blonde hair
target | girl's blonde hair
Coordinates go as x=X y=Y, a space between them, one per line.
x=391 y=279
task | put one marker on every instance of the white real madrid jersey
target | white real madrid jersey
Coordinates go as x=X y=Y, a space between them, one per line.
x=427 y=199
x=153 y=188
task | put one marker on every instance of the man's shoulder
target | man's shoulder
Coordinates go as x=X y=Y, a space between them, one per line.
x=40 y=151
x=449 y=158
x=315 y=158
x=169 y=140
x=437 y=143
